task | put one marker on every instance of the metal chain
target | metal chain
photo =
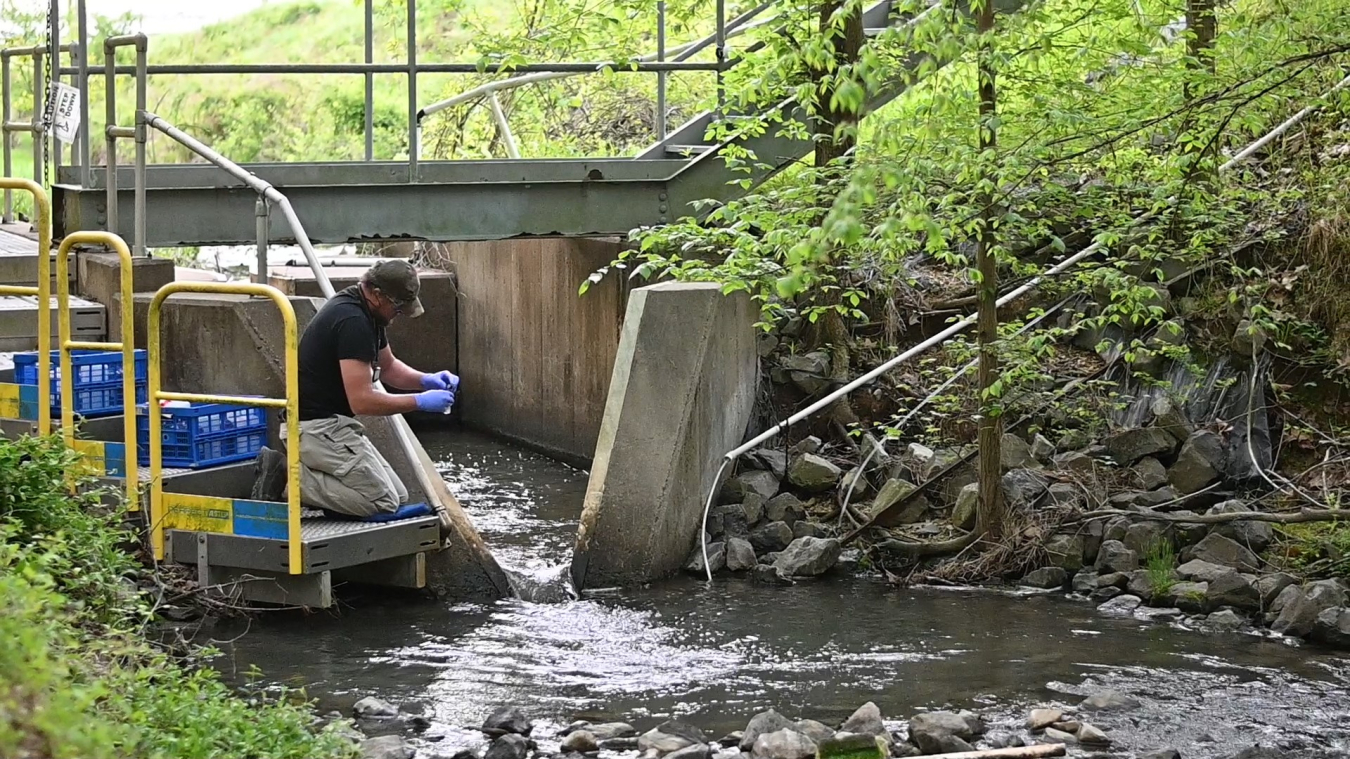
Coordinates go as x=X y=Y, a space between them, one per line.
x=46 y=90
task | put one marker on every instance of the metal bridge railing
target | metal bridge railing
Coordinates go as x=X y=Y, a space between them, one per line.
x=290 y=404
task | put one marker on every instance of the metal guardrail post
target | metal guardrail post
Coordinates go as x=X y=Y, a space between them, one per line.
x=661 y=75
x=113 y=131
x=127 y=347
x=370 y=80
x=261 y=213
x=42 y=212
x=290 y=404
x=86 y=169
x=721 y=54
x=39 y=134
x=414 y=124
x=5 y=108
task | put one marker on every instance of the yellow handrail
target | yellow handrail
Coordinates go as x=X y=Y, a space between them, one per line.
x=42 y=206
x=291 y=405
x=127 y=347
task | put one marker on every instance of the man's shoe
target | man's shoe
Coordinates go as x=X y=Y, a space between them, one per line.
x=269 y=476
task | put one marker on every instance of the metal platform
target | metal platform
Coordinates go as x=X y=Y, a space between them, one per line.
x=19 y=258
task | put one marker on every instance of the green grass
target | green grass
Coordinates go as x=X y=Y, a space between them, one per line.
x=1160 y=561
x=78 y=680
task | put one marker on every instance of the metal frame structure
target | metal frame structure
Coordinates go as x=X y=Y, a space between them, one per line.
x=95 y=449
x=290 y=404
x=43 y=290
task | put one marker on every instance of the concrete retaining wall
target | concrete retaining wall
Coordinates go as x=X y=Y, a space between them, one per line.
x=681 y=395
x=535 y=357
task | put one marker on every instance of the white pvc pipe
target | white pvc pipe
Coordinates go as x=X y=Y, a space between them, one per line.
x=1281 y=129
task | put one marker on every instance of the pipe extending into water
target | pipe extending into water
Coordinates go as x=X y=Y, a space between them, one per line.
x=966 y=321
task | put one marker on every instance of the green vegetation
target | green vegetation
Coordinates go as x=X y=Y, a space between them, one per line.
x=77 y=678
x=1160 y=561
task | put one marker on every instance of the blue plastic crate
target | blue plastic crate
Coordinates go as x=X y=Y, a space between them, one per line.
x=98 y=379
x=204 y=434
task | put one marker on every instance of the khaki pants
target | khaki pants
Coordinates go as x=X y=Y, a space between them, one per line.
x=340 y=469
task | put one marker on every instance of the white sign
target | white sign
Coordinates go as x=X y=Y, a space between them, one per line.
x=63 y=112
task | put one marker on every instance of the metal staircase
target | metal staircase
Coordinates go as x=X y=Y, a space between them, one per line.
x=435 y=200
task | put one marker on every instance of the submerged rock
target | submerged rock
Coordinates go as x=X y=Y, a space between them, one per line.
x=1121 y=606
x=1109 y=701
x=581 y=741
x=508 y=719
x=1059 y=736
x=1092 y=736
x=813 y=473
x=386 y=747
x=374 y=708
x=509 y=746
x=1225 y=620
x=606 y=731
x=696 y=751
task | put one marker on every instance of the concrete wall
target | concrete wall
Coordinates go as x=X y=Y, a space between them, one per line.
x=428 y=342
x=682 y=392
x=534 y=356
x=99 y=278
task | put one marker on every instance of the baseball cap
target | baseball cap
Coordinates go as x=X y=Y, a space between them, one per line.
x=397 y=279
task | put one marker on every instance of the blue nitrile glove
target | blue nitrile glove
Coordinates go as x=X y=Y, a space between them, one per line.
x=435 y=401
x=441 y=380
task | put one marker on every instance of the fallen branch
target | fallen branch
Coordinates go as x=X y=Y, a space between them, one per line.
x=1292 y=517
x=1024 y=752
x=910 y=550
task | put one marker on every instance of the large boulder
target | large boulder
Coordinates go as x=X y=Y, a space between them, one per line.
x=1113 y=556
x=1109 y=701
x=668 y=737
x=762 y=724
x=1201 y=571
x=1046 y=577
x=507 y=719
x=1016 y=453
x=967 y=507
x=1189 y=596
x=1199 y=464
x=1066 y=551
x=508 y=746
x=1023 y=486
x=866 y=720
x=853 y=747
x=740 y=555
x=1271 y=586
x=1150 y=473
x=1128 y=446
x=1254 y=535
x=1216 y=549
x=1233 y=589
x=1147 y=537
x=717 y=559
x=932 y=731
x=580 y=742
x=813 y=473
x=783 y=744
x=387 y=747
x=771 y=537
x=374 y=708
x=785 y=507
x=1332 y=627
x=808 y=557
x=756 y=481
x=816 y=731
x=1299 y=615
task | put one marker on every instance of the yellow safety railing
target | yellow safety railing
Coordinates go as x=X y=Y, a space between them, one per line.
x=127 y=347
x=291 y=405
x=42 y=207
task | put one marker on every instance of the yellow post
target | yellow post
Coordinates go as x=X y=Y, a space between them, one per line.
x=42 y=208
x=291 y=404
x=126 y=346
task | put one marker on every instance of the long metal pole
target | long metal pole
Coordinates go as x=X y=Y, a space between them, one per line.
x=4 y=134
x=370 y=81
x=39 y=136
x=55 y=53
x=721 y=53
x=110 y=139
x=413 y=127
x=141 y=137
x=661 y=75
x=86 y=151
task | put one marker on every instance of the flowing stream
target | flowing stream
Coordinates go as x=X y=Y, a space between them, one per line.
x=715 y=655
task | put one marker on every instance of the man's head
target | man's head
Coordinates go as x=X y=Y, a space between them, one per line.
x=392 y=288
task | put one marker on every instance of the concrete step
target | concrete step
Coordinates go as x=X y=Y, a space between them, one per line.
x=19 y=317
x=19 y=261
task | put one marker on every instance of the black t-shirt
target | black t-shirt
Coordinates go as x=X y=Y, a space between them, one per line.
x=343 y=329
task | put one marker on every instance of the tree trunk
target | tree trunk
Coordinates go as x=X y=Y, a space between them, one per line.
x=831 y=145
x=1201 y=28
x=990 y=515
